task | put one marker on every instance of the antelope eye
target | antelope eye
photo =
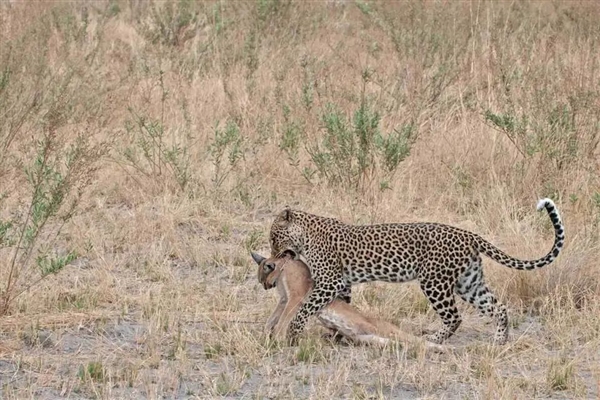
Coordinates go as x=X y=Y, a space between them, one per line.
x=268 y=267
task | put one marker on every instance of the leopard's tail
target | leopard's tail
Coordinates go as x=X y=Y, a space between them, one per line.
x=559 y=239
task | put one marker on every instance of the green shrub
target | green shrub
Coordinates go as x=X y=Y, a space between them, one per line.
x=171 y=23
x=151 y=152
x=57 y=177
x=225 y=151
x=353 y=151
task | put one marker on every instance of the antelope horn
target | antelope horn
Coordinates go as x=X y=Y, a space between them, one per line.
x=257 y=257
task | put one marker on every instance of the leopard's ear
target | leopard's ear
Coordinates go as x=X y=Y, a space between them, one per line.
x=285 y=217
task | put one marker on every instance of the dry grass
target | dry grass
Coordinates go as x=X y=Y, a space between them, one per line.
x=202 y=118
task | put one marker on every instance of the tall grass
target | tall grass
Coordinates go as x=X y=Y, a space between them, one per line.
x=476 y=99
x=489 y=105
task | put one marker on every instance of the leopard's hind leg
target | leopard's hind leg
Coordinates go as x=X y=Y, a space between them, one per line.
x=471 y=287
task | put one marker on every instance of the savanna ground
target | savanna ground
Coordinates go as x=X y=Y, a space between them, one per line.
x=145 y=148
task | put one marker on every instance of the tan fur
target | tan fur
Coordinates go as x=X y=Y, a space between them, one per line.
x=293 y=282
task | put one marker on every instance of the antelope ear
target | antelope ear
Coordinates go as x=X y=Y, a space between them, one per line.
x=257 y=258
x=285 y=217
x=290 y=253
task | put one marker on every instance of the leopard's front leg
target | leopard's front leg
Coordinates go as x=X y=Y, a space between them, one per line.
x=323 y=293
x=346 y=293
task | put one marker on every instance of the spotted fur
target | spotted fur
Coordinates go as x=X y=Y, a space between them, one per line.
x=444 y=259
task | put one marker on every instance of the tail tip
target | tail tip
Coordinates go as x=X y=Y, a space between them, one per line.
x=543 y=203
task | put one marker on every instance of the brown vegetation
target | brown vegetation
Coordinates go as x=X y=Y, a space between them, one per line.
x=146 y=146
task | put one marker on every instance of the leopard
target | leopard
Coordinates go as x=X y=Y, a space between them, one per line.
x=445 y=261
x=293 y=281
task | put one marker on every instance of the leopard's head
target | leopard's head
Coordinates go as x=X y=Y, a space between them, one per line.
x=286 y=234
